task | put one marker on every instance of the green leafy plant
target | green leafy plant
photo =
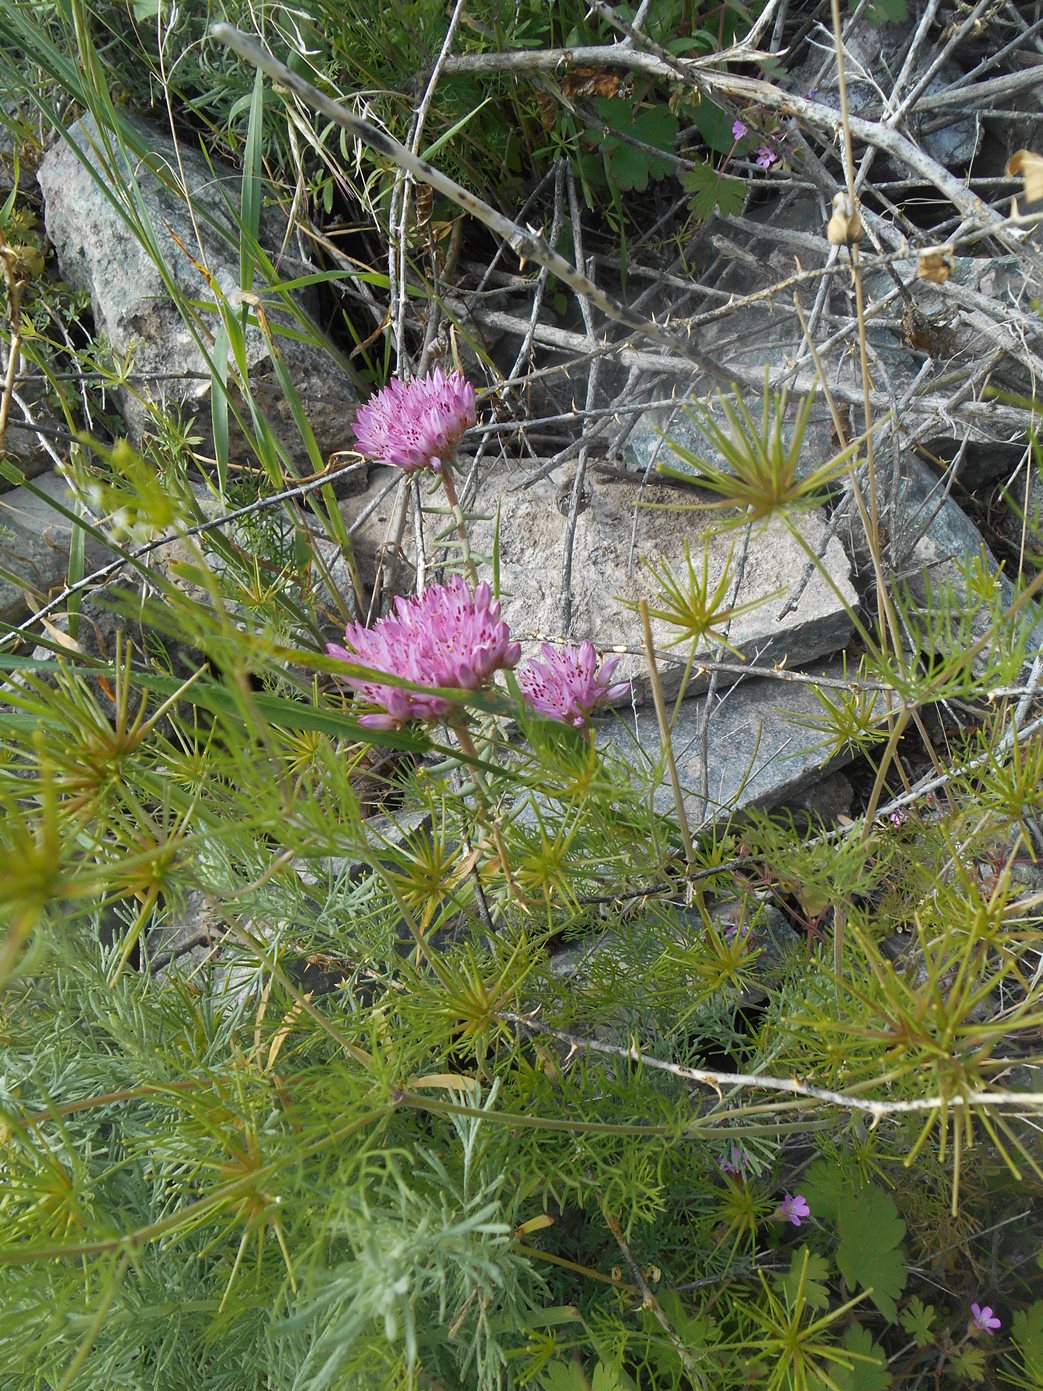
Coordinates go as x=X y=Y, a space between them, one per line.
x=343 y=1056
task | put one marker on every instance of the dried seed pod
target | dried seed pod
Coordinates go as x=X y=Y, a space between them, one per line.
x=845 y=226
x=423 y=202
x=1030 y=166
x=548 y=108
x=592 y=82
x=935 y=265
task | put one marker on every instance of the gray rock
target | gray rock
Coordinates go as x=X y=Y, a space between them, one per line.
x=930 y=536
x=829 y=799
x=650 y=445
x=93 y=200
x=875 y=54
x=758 y=752
x=22 y=445
x=931 y=530
x=32 y=562
x=25 y=506
x=186 y=943
x=976 y=320
x=976 y=316
x=1016 y=511
x=606 y=570
x=606 y=573
x=384 y=834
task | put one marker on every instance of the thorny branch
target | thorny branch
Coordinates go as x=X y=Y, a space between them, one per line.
x=947 y=394
x=724 y=1082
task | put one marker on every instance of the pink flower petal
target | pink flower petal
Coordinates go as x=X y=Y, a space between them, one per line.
x=445 y=636
x=416 y=424
x=568 y=685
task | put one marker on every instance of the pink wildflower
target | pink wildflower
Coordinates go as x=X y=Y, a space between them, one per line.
x=416 y=424
x=738 y=130
x=737 y=932
x=766 y=157
x=793 y=1208
x=983 y=1320
x=445 y=636
x=734 y=1162
x=568 y=684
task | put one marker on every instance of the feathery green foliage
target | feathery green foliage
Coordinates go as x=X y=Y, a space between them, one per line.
x=342 y=1058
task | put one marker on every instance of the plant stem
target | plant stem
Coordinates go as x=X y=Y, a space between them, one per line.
x=458 y=518
x=463 y=738
x=664 y=735
x=15 y=350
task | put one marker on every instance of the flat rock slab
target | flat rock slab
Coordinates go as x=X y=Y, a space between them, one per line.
x=758 y=752
x=933 y=536
x=621 y=525
x=94 y=196
x=34 y=548
x=29 y=567
x=650 y=446
x=38 y=514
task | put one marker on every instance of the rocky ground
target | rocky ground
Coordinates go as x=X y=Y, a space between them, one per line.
x=579 y=416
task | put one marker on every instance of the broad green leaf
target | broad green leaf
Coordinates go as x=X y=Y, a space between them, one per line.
x=562 y=1376
x=701 y=41
x=715 y=126
x=869 y=1252
x=731 y=195
x=886 y=11
x=917 y=1318
x=1026 y=1332
x=867 y=1373
x=969 y=1362
x=814 y=1287
x=631 y=168
x=605 y=1379
x=824 y=1186
x=693 y=1332
x=713 y=191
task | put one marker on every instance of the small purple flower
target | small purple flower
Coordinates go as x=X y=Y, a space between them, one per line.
x=568 y=684
x=738 y=129
x=983 y=1320
x=445 y=636
x=416 y=424
x=766 y=157
x=737 y=932
x=734 y=1162
x=898 y=818
x=793 y=1208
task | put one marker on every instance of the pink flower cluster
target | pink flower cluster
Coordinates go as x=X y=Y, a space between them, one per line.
x=417 y=424
x=445 y=636
x=454 y=639
x=568 y=684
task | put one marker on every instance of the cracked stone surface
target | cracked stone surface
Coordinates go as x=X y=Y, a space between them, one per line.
x=758 y=752
x=90 y=226
x=619 y=525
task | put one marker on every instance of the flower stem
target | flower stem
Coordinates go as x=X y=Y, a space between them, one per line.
x=463 y=738
x=461 y=525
